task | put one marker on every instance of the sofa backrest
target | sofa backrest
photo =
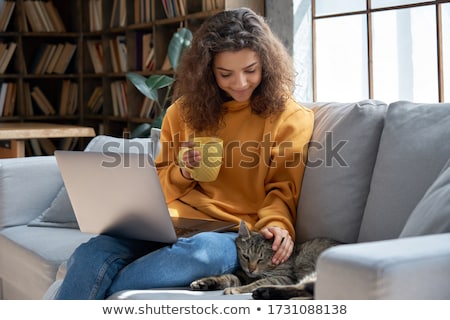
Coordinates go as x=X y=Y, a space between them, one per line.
x=340 y=163
x=414 y=148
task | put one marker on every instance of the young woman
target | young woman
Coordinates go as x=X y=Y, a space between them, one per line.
x=235 y=83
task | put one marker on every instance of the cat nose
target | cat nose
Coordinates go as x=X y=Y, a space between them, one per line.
x=251 y=269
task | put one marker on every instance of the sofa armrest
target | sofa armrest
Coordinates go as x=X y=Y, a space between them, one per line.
x=407 y=268
x=27 y=187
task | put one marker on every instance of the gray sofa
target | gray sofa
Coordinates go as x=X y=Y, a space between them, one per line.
x=378 y=178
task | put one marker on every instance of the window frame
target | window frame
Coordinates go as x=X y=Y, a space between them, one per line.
x=368 y=13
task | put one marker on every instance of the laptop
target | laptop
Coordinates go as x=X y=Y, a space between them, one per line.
x=120 y=194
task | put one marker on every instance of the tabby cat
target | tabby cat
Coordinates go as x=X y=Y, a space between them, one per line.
x=294 y=278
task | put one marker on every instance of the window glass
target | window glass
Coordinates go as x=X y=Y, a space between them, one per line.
x=405 y=55
x=446 y=49
x=325 y=7
x=391 y=3
x=341 y=59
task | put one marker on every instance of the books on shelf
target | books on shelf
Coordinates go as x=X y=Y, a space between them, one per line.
x=69 y=98
x=27 y=108
x=42 y=102
x=6 y=54
x=95 y=15
x=47 y=146
x=142 y=11
x=56 y=55
x=148 y=53
x=42 y=16
x=3 y=89
x=53 y=58
x=95 y=102
x=145 y=52
x=6 y=10
x=174 y=8
x=119 y=14
x=119 y=98
x=8 y=93
x=118 y=49
x=147 y=108
x=213 y=4
x=95 y=50
x=65 y=58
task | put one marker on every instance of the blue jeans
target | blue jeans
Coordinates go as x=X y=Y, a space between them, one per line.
x=105 y=265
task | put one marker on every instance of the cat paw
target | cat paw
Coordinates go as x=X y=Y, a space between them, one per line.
x=229 y=291
x=280 y=293
x=204 y=284
x=262 y=293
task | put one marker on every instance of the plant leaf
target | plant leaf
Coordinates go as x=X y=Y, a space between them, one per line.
x=139 y=82
x=158 y=81
x=157 y=123
x=180 y=40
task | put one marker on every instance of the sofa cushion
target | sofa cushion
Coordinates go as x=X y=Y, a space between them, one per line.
x=413 y=149
x=335 y=185
x=60 y=213
x=22 y=202
x=30 y=257
x=432 y=213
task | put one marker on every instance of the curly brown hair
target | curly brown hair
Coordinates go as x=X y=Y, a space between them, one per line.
x=231 y=30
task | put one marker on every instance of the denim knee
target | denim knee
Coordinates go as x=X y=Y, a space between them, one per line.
x=213 y=249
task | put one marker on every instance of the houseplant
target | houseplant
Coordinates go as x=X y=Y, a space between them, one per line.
x=151 y=85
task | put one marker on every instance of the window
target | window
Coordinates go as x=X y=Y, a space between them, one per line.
x=381 y=49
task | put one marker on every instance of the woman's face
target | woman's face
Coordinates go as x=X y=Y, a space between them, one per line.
x=238 y=73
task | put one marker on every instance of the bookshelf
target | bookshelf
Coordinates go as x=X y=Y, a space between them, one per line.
x=69 y=58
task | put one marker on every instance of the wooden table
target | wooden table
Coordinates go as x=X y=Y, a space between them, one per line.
x=14 y=134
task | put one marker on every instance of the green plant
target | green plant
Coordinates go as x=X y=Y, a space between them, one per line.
x=151 y=85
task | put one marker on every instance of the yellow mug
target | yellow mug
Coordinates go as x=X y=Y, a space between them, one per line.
x=211 y=150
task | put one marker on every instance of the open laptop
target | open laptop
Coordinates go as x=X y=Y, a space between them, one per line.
x=120 y=194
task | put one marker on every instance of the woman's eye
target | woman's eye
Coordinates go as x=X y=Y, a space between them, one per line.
x=250 y=71
x=225 y=75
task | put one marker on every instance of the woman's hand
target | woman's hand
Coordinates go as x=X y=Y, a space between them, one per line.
x=191 y=158
x=283 y=244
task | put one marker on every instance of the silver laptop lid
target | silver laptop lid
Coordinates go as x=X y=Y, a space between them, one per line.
x=116 y=194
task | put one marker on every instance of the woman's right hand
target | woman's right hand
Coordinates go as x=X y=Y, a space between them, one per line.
x=191 y=158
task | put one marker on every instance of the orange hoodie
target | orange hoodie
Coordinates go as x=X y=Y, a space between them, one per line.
x=260 y=178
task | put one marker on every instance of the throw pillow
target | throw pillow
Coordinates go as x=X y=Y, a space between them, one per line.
x=412 y=152
x=432 y=213
x=60 y=213
x=341 y=157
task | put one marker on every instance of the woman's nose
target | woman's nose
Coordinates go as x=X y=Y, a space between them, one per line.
x=240 y=81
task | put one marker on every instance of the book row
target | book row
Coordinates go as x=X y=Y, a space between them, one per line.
x=53 y=58
x=42 y=16
x=6 y=10
x=143 y=11
x=6 y=53
x=8 y=93
x=47 y=147
x=145 y=53
x=36 y=100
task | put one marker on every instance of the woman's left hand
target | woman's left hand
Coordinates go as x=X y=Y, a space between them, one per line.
x=283 y=244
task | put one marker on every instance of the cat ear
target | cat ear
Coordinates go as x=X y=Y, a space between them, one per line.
x=243 y=230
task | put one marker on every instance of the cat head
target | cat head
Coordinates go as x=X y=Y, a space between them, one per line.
x=254 y=252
